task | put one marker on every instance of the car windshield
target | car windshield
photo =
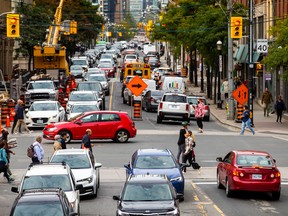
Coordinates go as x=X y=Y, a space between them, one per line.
x=36 y=208
x=79 y=62
x=83 y=97
x=105 y=65
x=174 y=98
x=157 y=93
x=43 y=107
x=80 y=161
x=40 y=85
x=147 y=192
x=83 y=108
x=254 y=160
x=76 y=67
x=155 y=162
x=96 y=78
x=195 y=100
x=47 y=181
x=89 y=86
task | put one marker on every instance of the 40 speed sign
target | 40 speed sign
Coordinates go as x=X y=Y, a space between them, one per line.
x=262 y=46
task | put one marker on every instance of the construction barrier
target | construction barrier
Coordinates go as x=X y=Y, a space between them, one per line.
x=8 y=123
x=239 y=112
x=11 y=106
x=4 y=112
x=137 y=111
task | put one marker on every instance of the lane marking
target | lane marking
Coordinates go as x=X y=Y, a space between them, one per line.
x=219 y=210
x=111 y=96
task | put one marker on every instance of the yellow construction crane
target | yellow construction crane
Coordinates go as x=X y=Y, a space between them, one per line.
x=51 y=55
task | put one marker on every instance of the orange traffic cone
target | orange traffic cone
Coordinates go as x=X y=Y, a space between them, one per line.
x=67 y=89
x=8 y=124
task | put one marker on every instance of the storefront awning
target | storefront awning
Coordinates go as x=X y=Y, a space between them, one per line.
x=241 y=54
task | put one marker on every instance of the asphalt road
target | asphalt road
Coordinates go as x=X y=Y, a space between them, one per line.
x=201 y=194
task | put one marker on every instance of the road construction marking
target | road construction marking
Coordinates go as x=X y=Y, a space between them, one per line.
x=219 y=210
x=111 y=96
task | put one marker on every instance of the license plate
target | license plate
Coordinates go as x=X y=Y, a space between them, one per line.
x=173 y=106
x=40 y=121
x=256 y=176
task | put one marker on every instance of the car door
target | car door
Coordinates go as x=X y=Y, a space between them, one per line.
x=146 y=98
x=108 y=125
x=227 y=167
x=89 y=121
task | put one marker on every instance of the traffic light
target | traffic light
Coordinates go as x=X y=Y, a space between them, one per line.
x=13 y=25
x=236 y=27
x=259 y=68
x=73 y=27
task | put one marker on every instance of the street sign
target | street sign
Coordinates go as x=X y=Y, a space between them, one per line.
x=241 y=94
x=262 y=46
x=136 y=86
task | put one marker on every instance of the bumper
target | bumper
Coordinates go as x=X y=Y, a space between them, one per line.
x=88 y=188
x=49 y=135
x=179 y=186
x=110 y=74
x=174 y=116
x=133 y=132
x=257 y=186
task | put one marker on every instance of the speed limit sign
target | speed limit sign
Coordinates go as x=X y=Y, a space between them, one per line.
x=262 y=46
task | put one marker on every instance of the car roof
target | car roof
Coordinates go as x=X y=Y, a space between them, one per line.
x=174 y=93
x=153 y=151
x=47 y=169
x=70 y=151
x=85 y=103
x=45 y=101
x=148 y=178
x=82 y=92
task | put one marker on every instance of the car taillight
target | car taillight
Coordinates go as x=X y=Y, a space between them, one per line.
x=238 y=173
x=206 y=107
x=275 y=175
x=187 y=107
x=160 y=105
x=133 y=124
x=152 y=99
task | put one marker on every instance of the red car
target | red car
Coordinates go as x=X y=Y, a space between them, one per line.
x=104 y=125
x=108 y=67
x=249 y=170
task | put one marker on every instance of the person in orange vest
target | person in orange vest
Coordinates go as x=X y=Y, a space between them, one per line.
x=73 y=83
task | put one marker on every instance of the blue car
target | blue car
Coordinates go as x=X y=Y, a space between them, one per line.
x=157 y=161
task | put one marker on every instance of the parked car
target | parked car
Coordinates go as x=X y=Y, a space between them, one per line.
x=42 y=202
x=81 y=107
x=83 y=96
x=248 y=170
x=115 y=125
x=157 y=161
x=102 y=79
x=45 y=176
x=147 y=195
x=151 y=99
x=42 y=113
x=84 y=167
x=193 y=100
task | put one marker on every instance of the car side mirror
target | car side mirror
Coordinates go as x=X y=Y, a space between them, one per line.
x=79 y=187
x=15 y=189
x=26 y=110
x=78 y=122
x=127 y=166
x=116 y=197
x=72 y=213
x=61 y=109
x=274 y=160
x=219 y=159
x=108 y=79
x=97 y=165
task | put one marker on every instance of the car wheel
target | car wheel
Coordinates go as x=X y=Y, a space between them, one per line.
x=129 y=100
x=228 y=191
x=219 y=185
x=159 y=120
x=276 y=195
x=95 y=192
x=98 y=179
x=69 y=135
x=181 y=199
x=207 y=118
x=121 y=136
x=103 y=105
x=107 y=93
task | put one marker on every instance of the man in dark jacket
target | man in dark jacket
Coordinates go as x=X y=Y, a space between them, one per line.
x=246 y=121
x=181 y=140
x=20 y=116
x=86 y=142
x=15 y=117
x=62 y=140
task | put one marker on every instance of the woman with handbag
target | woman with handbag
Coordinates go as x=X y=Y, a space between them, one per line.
x=189 y=145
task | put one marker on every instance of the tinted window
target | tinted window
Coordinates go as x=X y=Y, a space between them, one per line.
x=41 y=85
x=174 y=98
x=83 y=108
x=194 y=100
x=147 y=192
x=110 y=117
x=155 y=162
x=90 y=118
x=157 y=93
x=47 y=181
x=43 y=107
x=83 y=97
x=75 y=161
x=89 y=87
x=252 y=160
x=38 y=208
x=96 y=78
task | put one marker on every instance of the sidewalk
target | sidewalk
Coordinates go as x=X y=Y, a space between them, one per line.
x=261 y=124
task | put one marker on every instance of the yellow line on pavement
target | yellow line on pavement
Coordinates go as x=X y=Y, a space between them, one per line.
x=111 y=96
x=219 y=210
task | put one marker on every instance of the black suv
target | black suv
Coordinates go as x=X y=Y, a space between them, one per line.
x=42 y=202
x=148 y=195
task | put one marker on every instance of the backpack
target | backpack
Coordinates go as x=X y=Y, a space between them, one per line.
x=30 y=151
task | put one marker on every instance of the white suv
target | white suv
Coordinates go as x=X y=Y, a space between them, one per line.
x=173 y=106
x=43 y=176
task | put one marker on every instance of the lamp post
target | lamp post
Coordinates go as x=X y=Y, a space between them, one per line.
x=219 y=48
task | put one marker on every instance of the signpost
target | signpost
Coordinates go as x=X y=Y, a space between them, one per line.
x=262 y=46
x=241 y=94
x=136 y=86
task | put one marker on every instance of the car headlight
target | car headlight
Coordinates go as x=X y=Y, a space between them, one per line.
x=104 y=85
x=54 y=116
x=175 y=212
x=179 y=178
x=51 y=129
x=119 y=212
x=89 y=179
x=27 y=95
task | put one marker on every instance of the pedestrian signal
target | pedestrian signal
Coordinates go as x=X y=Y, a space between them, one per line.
x=236 y=27
x=259 y=68
x=13 y=25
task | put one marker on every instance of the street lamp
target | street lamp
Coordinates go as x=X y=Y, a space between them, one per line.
x=219 y=48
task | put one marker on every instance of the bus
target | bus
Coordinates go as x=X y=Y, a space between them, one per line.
x=136 y=68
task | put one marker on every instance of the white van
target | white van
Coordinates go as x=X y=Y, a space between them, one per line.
x=172 y=83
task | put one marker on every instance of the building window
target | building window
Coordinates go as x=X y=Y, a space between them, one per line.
x=261 y=27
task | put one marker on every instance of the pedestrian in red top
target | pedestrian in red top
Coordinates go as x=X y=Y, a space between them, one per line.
x=199 y=114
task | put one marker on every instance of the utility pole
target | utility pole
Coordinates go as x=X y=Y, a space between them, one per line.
x=230 y=114
x=251 y=63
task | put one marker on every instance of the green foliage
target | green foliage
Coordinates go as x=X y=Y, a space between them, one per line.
x=127 y=27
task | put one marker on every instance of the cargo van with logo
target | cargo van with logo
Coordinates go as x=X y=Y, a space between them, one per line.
x=173 y=83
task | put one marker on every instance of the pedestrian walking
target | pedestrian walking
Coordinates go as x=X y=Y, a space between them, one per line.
x=181 y=140
x=20 y=119
x=4 y=163
x=15 y=117
x=86 y=141
x=199 y=114
x=63 y=140
x=57 y=143
x=266 y=99
x=189 y=145
x=246 y=121
x=4 y=139
x=38 y=150
x=279 y=108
